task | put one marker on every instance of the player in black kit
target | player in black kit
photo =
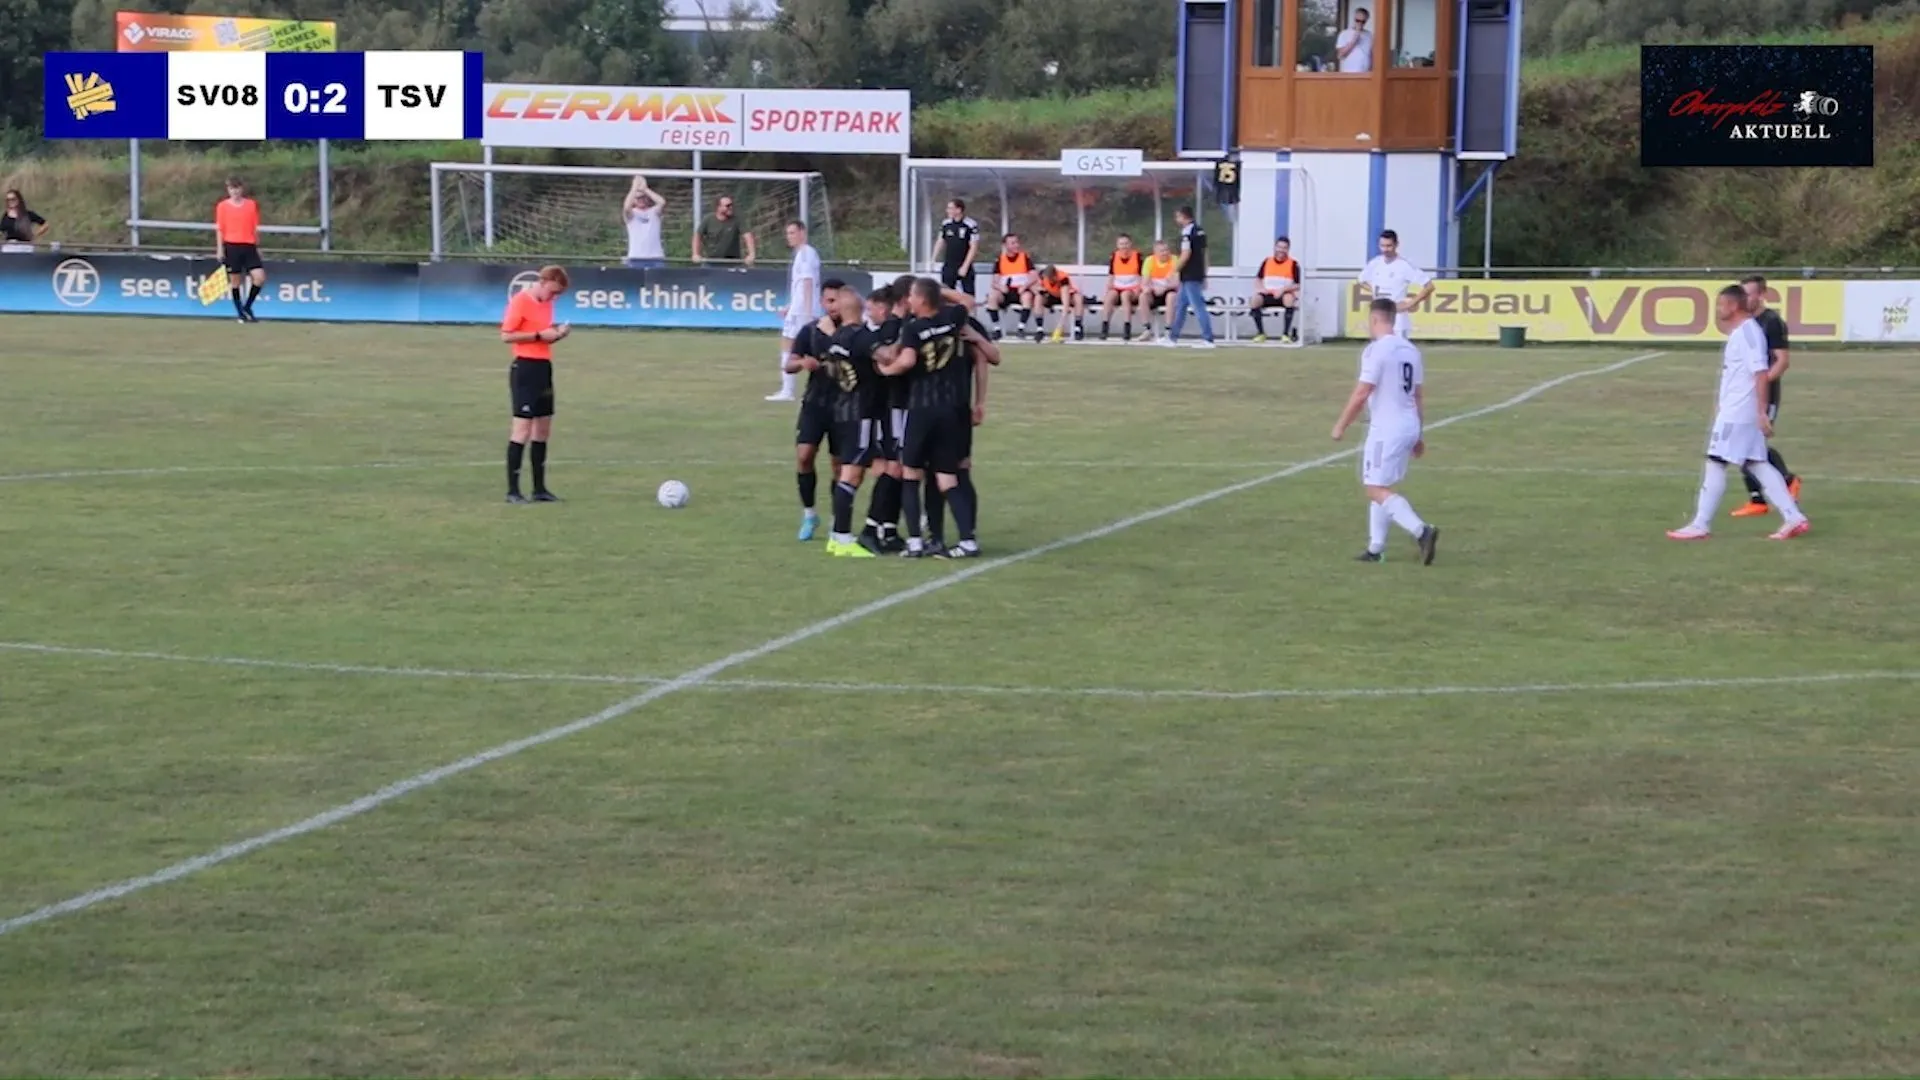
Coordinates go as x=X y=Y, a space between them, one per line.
x=939 y=353
x=1775 y=328
x=959 y=246
x=815 y=422
x=859 y=413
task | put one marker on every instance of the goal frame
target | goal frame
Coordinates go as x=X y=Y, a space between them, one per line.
x=488 y=170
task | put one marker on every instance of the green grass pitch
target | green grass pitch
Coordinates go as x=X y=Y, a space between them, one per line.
x=1194 y=795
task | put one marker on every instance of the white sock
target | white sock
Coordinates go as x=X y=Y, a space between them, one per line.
x=1713 y=484
x=1775 y=486
x=1401 y=511
x=1377 y=521
x=786 y=377
x=843 y=538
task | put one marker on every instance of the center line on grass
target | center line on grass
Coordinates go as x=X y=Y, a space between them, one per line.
x=706 y=672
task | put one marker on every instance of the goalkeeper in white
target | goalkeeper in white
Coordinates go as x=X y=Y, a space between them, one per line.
x=1392 y=390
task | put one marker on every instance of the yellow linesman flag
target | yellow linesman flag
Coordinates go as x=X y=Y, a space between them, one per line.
x=213 y=287
x=89 y=94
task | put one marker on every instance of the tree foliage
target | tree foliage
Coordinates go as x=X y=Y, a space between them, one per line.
x=1560 y=26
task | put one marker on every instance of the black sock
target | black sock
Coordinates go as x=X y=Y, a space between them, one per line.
x=807 y=482
x=936 y=501
x=843 y=494
x=514 y=452
x=1126 y=331
x=1079 y=327
x=962 y=505
x=239 y=307
x=1106 y=329
x=253 y=293
x=994 y=314
x=1286 y=320
x=973 y=496
x=538 y=457
x=1259 y=316
x=910 y=508
x=1774 y=459
x=880 y=508
x=1755 y=493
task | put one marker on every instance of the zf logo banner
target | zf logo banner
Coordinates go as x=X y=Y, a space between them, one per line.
x=1748 y=105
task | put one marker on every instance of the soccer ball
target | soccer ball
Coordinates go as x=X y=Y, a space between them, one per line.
x=673 y=495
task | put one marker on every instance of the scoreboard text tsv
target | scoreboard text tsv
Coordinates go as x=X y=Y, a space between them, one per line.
x=220 y=96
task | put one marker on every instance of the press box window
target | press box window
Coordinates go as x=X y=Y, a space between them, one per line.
x=1267 y=27
x=1416 y=33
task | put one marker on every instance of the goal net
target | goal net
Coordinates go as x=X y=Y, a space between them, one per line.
x=1073 y=220
x=575 y=212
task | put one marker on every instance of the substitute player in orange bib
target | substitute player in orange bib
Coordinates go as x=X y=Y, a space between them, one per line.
x=1125 y=288
x=528 y=329
x=236 y=232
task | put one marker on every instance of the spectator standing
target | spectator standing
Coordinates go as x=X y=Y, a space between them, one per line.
x=642 y=211
x=1354 y=47
x=720 y=237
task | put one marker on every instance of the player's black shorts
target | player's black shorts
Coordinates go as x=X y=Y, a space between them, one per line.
x=896 y=434
x=1267 y=300
x=957 y=277
x=1008 y=299
x=859 y=442
x=938 y=439
x=1157 y=301
x=531 y=384
x=242 y=258
x=814 y=426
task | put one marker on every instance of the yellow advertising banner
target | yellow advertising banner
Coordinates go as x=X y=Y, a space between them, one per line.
x=140 y=32
x=1638 y=311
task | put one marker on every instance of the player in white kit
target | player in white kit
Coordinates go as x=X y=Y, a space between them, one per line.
x=1391 y=389
x=1741 y=425
x=1389 y=277
x=803 y=289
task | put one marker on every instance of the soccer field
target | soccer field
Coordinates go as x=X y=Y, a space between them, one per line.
x=384 y=776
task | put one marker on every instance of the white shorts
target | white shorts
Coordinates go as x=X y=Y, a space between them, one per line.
x=1403 y=325
x=1736 y=443
x=791 y=328
x=1384 y=457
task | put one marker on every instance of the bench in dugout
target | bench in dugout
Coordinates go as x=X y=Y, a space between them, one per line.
x=1231 y=316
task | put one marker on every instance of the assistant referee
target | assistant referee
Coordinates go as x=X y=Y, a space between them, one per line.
x=529 y=330
x=236 y=230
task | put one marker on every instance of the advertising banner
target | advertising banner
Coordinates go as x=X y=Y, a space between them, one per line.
x=1638 y=312
x=693 y=299
x=687 y=118
x=1882 y=310
x=140 y=32
x=159 y=285
x=326 y=291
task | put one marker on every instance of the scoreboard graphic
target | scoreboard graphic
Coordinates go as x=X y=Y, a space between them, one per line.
x=208 y=96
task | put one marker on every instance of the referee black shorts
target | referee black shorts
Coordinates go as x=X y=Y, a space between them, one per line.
x=530 y=382
x=241 y=258
x=958 y=277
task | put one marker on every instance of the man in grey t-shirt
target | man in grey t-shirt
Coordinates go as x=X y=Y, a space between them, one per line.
x=720 y=237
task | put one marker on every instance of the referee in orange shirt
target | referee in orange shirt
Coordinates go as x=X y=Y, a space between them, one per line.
x=529 y=330
x=236 y=228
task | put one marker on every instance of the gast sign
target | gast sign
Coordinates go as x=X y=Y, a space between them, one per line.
x=683 y=118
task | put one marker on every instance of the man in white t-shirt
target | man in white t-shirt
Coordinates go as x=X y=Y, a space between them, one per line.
x=1353 y=49
x=803 y=289
x=642 y=212
x=1389 y=277
x=1391 y=389
x=1741 y=425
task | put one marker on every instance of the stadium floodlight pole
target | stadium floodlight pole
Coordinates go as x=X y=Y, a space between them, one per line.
x=803 y=201
x=1159 y=211
x=133 y=192
x=1080 y=238
x=433 y=205
x=326 y=199
x=906 y=210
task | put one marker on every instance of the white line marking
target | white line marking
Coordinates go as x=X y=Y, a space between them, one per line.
x=1144 y=693
x=1651 y=473
x=329 y=669
x=706 y=672
x=715 y=463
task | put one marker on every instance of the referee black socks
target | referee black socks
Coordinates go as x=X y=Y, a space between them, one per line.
x=514 y=451
x=539 y=459
x=253 y=293
x=239 y=305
